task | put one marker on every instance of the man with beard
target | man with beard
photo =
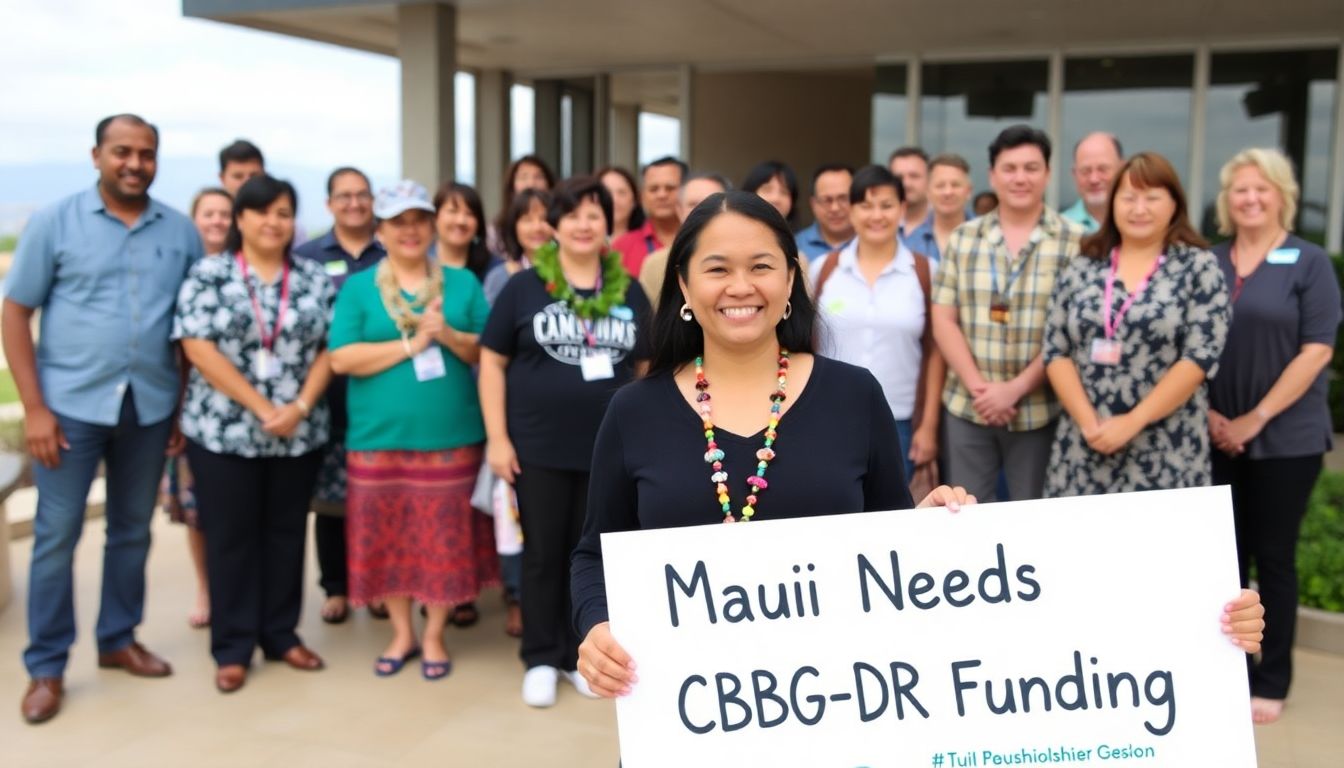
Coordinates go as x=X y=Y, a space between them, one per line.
x=1096 y=160
x=104 y=265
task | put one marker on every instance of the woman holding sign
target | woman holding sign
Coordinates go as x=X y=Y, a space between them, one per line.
x=1136 y=326
x=253 y=323
x=1269 y=418
x=406 y=333
x=685 y=446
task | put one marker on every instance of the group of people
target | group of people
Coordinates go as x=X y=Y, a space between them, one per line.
x=419 y=369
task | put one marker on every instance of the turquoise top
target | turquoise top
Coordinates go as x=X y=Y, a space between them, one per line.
x=1078 y=212
x=391 y=410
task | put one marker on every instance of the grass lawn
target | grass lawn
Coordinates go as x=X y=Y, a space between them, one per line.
x=8 y=393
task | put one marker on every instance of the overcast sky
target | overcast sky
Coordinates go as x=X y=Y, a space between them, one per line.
x=72 y=62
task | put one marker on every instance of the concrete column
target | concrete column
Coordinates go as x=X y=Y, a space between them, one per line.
x=546 y=121
x=1199 y=100
x=582 y=128
x=1054 y=116
x=625 y=136
x=493 y=132
x=601 y=119
x=427 y=47
x=914 y=91
x=1334 y=219
x=685 y=108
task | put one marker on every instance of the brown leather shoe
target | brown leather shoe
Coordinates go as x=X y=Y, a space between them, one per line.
x=230 y=677
x=303 y=659
x=42 y=700
x=137 y=660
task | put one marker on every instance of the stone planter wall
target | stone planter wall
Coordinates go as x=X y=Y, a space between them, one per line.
x=11 y=467
x=1320 y=630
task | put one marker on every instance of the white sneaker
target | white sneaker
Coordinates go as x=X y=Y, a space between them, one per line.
x=539 y=686
x=580 y=684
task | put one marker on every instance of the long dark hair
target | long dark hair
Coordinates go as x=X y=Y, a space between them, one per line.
x=478 y=253
x=257 y=194
x=676 y=341
x=512 y=173
x=508 y=223
x=637 y=213
x=1146 y=170
x=761 y=174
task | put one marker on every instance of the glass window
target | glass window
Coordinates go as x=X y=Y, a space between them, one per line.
x=659 y=136
x=464 y=126
x=522 y=130
x=1143 y=100
x=1283 y=99
x=566 y=136
x=964 y=106
x=890 y=109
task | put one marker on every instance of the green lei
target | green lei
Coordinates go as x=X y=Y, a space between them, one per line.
x=615 y=280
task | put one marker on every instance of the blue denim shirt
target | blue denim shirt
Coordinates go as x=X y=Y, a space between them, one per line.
x=812 y=244
x=107 y=295
x=921 y=240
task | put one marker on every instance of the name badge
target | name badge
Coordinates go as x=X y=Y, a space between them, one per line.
x=1283 y=256
x=1106 y=351
x=596 y=366
x=336 y=268
x=265 y=366
x=429 y=364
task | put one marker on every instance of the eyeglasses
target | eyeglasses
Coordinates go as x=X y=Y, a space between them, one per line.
x=345 y=198
x=830 y=201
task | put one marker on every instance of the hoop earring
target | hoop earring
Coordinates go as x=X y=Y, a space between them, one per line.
x=686 y=312
x=788 y=310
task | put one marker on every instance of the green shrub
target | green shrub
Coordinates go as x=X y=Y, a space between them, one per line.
x=1320 y=551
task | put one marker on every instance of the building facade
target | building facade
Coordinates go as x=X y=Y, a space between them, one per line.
x=850 y=80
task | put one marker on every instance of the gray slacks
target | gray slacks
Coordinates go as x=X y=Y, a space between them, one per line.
x=976 y=454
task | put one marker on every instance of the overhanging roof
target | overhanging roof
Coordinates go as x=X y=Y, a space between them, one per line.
x=565 y=36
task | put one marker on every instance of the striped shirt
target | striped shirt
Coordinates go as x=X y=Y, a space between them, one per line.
x=966 y=279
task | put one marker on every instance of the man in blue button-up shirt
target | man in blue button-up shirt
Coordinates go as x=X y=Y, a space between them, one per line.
x=104 y=265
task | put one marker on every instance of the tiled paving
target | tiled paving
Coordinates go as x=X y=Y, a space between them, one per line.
x=345 y=717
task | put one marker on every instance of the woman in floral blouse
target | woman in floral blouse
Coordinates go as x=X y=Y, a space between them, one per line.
x=253 y=322
x=1136 y=325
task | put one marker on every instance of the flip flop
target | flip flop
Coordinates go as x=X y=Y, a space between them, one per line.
x=378 y=611
x=464 y=615
x=336 y=617
x=392 y=663
x=434 y=671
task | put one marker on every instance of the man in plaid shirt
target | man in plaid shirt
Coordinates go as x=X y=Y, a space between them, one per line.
x=990 y=298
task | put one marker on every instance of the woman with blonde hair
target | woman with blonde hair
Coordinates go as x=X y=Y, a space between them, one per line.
x=1269 y=419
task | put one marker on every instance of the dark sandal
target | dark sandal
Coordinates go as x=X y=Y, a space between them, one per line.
x=434 y=671
x=378 y=611
x=336 y=617
x=387 y=666
x=464 y=615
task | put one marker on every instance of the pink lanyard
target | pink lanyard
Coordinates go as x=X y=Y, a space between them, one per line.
x=267 y=342
x=1107 y=326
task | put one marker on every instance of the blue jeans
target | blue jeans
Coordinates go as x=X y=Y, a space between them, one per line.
x=905 y=429
x=134 y=456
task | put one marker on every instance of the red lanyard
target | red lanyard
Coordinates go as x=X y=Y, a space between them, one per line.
x=1107 y=326
x=267 y=341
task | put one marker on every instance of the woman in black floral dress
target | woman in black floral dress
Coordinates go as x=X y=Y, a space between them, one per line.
x=253 y=322
x=1136 y=326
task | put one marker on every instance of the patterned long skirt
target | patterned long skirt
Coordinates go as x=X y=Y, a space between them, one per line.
x=411 y=529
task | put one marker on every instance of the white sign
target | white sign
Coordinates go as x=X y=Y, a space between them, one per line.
x=1060 y=632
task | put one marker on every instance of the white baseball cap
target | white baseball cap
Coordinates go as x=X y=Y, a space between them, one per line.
x=405 y=196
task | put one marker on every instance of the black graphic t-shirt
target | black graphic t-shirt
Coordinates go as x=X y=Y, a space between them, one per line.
x=553 y=413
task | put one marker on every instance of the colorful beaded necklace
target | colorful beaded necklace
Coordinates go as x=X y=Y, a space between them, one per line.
x=714 y=454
